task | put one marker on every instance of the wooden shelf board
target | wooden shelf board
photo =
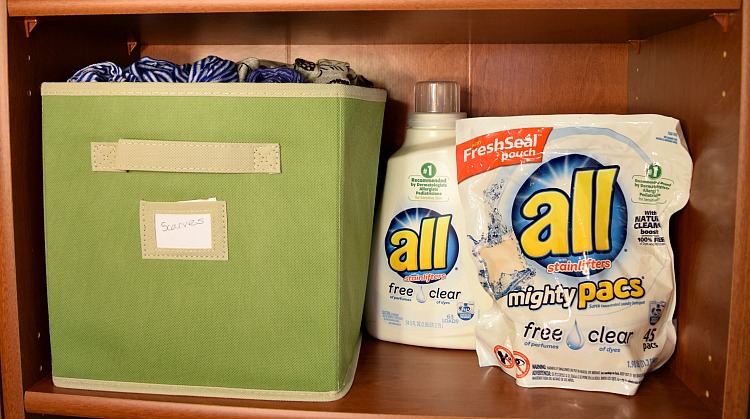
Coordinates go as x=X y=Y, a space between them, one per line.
x=394 y=380
x=80 y=7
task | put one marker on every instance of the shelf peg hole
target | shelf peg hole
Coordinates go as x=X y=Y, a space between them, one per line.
x=723 y=93
x=710 y=358
x=707 y=394
x=724 y=55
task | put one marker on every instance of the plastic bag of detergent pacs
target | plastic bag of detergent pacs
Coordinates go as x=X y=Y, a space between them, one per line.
x=568 y=217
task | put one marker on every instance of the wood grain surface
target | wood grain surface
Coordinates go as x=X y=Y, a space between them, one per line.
x=53 y=54
x=418 y=26
x=693 y=74
x=395 y=380
x=737 y=383
x=496 y=80
x=65 y=7
x=10 y=353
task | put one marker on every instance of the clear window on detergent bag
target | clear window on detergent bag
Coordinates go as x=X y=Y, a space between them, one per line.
x=567 y=218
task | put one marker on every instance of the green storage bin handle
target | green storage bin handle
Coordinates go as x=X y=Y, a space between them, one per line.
x=184 y=156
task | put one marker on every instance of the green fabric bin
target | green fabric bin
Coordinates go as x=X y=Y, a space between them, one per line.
x=208 y=239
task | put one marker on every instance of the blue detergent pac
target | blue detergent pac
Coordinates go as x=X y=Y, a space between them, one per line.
x=567 y=218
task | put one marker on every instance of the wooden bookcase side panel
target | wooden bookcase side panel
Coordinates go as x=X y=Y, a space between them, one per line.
x=25 y=155
x=53 y=52
x=665 y=77
x=2 y=410
x=10 y=353
x=737 y=385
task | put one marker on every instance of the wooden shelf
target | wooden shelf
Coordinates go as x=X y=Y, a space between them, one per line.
x=395 y=380
x=89 y=7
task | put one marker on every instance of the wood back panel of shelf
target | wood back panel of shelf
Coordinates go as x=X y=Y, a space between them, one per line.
x=496 y=80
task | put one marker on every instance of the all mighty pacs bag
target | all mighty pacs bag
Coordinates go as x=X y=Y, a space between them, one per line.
x=568 y=220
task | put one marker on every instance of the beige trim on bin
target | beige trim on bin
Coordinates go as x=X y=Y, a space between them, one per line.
x=185 y=156
x=260 y=90
x=235 y=393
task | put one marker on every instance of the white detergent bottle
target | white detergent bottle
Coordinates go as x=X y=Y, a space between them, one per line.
x=423 y=287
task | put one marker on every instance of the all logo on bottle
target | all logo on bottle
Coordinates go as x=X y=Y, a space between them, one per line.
x=421 y=245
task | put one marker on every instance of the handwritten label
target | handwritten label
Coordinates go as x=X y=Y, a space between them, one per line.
x=183 y=231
